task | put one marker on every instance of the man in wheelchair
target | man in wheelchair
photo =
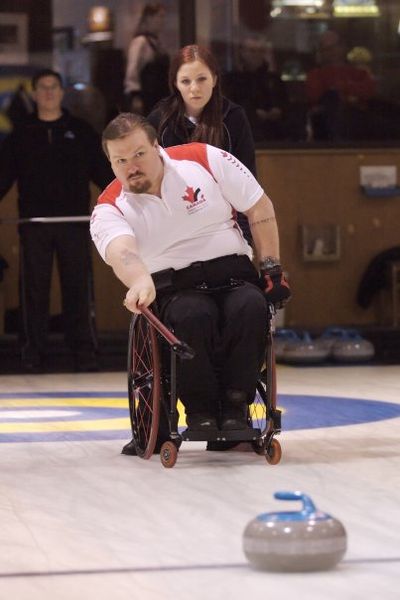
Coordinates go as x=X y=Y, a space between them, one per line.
x=166 y=225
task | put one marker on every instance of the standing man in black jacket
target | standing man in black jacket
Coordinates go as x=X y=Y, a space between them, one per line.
x=53 y=156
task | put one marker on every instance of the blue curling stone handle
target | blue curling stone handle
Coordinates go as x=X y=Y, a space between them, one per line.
x=308 y=511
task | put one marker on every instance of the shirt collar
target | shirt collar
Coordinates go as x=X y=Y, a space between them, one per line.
x=166 y=159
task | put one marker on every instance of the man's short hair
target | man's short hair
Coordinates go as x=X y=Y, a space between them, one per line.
x=46 y=73
x=123 y=125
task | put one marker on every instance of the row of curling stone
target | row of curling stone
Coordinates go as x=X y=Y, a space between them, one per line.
x=337 y=344
x=294 y=541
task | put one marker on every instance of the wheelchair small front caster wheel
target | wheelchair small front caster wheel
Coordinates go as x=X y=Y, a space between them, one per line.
x=168 y=454
x=273 y=452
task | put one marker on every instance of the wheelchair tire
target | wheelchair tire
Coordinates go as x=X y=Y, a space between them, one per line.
x=144 y=385
x=273 y=452
x=168 y=454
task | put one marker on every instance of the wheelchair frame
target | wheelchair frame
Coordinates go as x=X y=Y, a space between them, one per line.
x=153 y=394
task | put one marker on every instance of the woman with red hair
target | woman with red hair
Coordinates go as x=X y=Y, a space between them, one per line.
x=196 y=111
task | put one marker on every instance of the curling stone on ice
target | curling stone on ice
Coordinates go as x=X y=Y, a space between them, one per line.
x=304 y=540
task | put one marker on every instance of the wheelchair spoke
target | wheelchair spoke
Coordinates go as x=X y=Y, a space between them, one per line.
x=258 y=412
x=144 y=385
x=142 y=380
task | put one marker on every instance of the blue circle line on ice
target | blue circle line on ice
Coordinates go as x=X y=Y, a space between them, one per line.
x=78 y=416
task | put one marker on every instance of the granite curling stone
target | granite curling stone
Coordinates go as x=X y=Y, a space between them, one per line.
x=294 y=541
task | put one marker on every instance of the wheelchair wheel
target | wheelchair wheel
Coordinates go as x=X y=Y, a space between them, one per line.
x=144 y=385
x=262 y=414
x=271 y=449
x=259 y=411
x=273 y=452
x=168 y=454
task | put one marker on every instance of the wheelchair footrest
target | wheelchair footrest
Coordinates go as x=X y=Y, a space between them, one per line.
x=237 y=435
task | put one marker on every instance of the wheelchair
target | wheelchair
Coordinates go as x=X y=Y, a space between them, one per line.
x=153 y=400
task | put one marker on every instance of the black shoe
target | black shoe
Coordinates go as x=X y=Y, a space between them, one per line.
x=130 y=448
x=234 y=411
x=233 y=421
x=201 y=422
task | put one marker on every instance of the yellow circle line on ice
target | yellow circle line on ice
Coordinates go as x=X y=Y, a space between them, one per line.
x=97 y=425
x=50 y=426
x=109 y=402
x=86 y=424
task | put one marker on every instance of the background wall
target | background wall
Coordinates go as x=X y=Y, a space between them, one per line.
x=109 y=292
x=307 y=188
x=320 y=188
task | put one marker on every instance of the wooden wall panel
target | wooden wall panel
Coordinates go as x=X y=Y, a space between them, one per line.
x=307 y=187
x=109 y=292
x=321 y=188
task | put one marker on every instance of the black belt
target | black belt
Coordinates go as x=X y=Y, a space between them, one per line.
x=224 y=271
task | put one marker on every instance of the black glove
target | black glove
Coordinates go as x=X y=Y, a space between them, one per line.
x=276 y=288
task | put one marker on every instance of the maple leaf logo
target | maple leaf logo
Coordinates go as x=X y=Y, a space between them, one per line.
x=191 y=195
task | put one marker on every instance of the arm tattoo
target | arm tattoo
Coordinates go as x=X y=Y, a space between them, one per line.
x=266 y=220
x=128 y=257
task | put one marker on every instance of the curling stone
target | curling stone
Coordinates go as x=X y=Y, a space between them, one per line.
x=281 y=338
x=346 y=345
x=353 y=348
x=304 y=350
x=306 y=540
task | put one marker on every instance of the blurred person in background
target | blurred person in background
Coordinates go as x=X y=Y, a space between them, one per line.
x=338 y=93
x=146 y=76
x=53 y=157
x=259 y=90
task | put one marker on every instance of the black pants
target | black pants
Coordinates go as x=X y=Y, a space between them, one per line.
x=69 y=243
x=227 y=328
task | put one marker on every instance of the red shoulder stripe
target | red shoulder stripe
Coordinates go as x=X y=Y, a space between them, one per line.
x=194 y=151
x=111 y=193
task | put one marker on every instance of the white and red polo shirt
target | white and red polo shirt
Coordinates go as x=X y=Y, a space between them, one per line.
x=194 y=219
